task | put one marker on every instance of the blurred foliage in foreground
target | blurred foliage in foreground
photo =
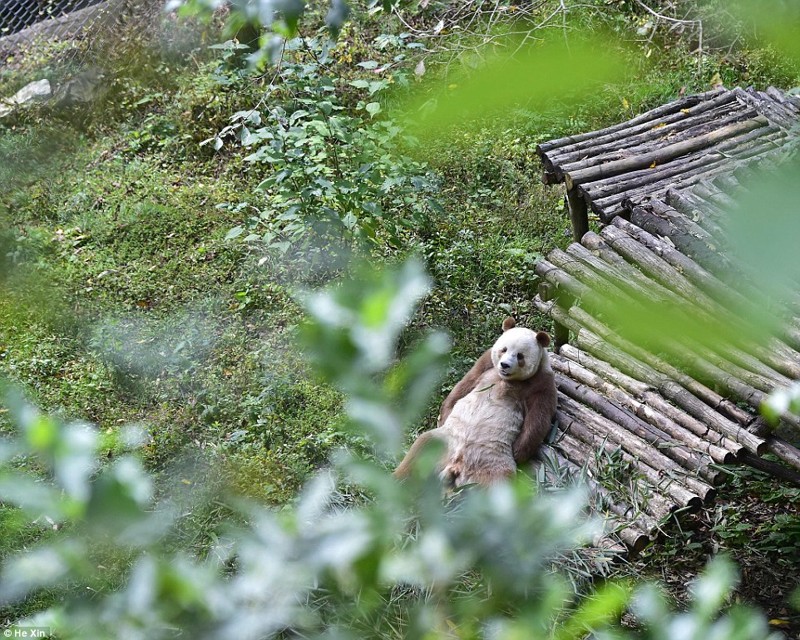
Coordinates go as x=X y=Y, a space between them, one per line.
x=357 y=556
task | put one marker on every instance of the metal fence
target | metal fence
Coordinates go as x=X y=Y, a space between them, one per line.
x=76 y=26
x=16 y=15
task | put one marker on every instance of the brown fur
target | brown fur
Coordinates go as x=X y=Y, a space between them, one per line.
x=535 y=398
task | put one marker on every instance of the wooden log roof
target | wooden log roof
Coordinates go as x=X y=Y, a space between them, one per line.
x=670 y=411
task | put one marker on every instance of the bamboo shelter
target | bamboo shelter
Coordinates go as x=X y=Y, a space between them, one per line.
x=668 y=408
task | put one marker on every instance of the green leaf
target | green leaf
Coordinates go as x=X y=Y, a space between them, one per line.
x=373 y=108
x=234 y=233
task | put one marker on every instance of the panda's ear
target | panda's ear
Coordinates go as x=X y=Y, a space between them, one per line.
x=543 y=339
x=509 y=323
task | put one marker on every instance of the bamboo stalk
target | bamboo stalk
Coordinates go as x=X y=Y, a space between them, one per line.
x=772 y=111
x=635 y=530
x=707 y=413
x=646 y=394
x=661 y=155
x=778 y=356
x=772 y=468
x=590 y=278
x=703 y=280
x=688 y=237
x=600 y=433
x=638 y=434
x=785 y=451
x=593 y=252
x=647 y=116
x=667 y=428
x=712 y=398
x=655 y=137
x=739 y=147
x=656 y=504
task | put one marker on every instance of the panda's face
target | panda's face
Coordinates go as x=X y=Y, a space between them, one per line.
x=518 y=353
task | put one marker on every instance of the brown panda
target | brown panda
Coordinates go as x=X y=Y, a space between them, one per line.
x=498 y=414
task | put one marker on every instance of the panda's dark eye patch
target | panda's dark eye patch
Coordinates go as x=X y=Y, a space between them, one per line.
x=504 y=349
x=520 y=357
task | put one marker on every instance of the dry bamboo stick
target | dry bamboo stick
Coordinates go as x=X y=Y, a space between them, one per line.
x=658 y=420
x=599 y=432
x=740 y=146
x=701 y=278
x=785 y=451
x=687 y=236
x=654 y=137
x=772 y=468
x=580 y=473
x=648 y=116
x=635 y=530
x=730 y=364
x=622 y=275
x=704 y=412
x=580 y=290
x=612 y=204
x=657 y=504
x=709 y=194
x=638 y=433
x=712 y=398
x=574 y=267
x=661 y=155
x=777 y=355
x=772 y=111
x=646 y=393
x=778 y=95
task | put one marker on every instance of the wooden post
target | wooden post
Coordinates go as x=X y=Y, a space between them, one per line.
x=578 y=214
x=560 y=337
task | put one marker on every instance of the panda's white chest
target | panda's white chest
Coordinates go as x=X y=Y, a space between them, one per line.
x=488 y=414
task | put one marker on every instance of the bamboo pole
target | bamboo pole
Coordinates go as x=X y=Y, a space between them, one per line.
x=638 y=433
x=667 y=428
x=772 y=468
x=655 y=508
x=632 y=279
x=647 y=116
x=661 y=155
x=691 y=239
x=658 y=470
x=648 y=395
x=635 y=530
x=654 y=137
x=699 y=389
x=706 y=413
x=769 y=108
x=582 y=291
x=747 y=143
x=745 y=298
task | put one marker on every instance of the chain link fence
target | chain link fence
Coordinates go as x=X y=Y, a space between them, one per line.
x=68 y=28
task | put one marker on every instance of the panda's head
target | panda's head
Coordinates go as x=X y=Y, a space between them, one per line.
x=519 y=353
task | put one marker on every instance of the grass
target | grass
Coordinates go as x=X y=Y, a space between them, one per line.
x=123 y=302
